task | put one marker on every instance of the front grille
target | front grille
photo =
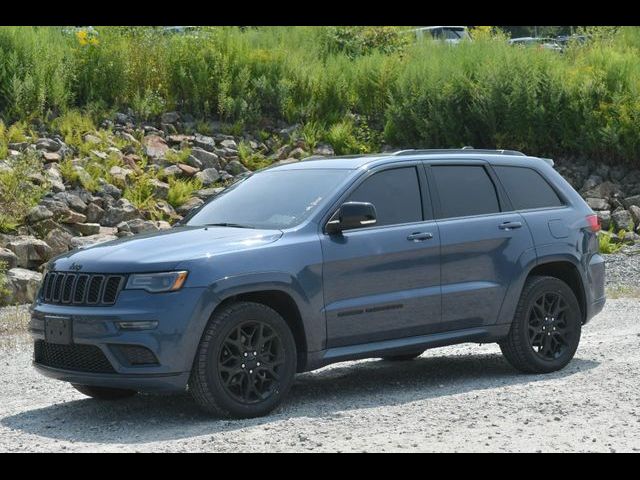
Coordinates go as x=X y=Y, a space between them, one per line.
x=81 y=358
x=81 y=289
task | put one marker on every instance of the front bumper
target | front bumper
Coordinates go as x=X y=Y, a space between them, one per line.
x=180 y=316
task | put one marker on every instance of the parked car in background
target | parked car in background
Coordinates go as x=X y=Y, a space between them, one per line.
x=539 y=42
x=451 y=35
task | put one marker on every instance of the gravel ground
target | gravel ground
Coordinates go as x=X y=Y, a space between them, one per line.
x=623 y=270
x=461 y=398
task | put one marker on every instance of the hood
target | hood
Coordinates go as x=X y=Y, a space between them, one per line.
x=161 y=251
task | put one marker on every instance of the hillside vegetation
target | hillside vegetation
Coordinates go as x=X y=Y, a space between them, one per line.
x=363 y=86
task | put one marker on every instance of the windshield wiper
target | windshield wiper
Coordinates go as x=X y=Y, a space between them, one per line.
x=224 y=224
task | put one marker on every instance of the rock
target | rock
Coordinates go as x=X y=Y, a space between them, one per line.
x=187 y=170
x=87 y=229
x=204 y=142
x=597 y=203
x=170 y=117
x=230 y=144
x=604 y=190
x=122 y=118
x=120 y=174
x=634 y=200
x=180 y=139
x=162 y=225
x=51 y=157
x=47 y=144
x=154 y=146
x=171 y=171
x=81 y=242
x=634 y=210
x=72 y=200
x=325 y=150
x=286 y=161
x=122 y=211
x=39 y=213
x=160 y=189
x=208 y=159
x=141 y=226
x=92 y=139
x=166 y=209
x=283 y=152
x=298 y=153
x=206 y=193
x=111 y=190
x=622 y=219
x=71 y=217
x=193 y=162
x=132 y=161
x=208 y=176
x=234 y=167
x=8 y=259
x=189 y=204
x=41 y=229
x=23 y=285
x=59 y=240
x=591 y=182
x=19 y=146
x=94 y=213
x=605 y=219
x=30 y=251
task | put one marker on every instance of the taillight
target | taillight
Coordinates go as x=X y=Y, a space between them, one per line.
x=594 y=223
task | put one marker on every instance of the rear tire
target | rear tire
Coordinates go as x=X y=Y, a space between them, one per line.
x=246 y=362
x=545 y=332
x=104 y=393
x=402 y=358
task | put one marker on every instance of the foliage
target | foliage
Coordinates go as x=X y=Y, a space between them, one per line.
x=182 y=190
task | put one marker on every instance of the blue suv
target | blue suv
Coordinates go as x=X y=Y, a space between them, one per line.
x=298 y=266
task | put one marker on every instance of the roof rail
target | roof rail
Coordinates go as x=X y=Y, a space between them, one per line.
x=457 y=150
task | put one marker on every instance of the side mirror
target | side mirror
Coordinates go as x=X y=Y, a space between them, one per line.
x=352 y=215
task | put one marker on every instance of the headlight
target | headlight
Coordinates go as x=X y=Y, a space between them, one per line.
x=157 y=282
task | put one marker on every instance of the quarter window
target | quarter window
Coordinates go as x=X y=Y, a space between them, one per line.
x=394 y=193
x=527 y=188
x=465 y=190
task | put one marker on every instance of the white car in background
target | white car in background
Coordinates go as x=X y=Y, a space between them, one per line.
x=544 y=43
x=447 y=34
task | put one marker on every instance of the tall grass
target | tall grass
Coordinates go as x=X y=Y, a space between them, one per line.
x=421 y=94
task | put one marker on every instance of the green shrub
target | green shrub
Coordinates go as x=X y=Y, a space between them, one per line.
x=182 y=190
x=17 y=193
x=4 y=290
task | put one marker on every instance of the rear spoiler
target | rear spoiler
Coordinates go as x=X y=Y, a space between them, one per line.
x=549 y=161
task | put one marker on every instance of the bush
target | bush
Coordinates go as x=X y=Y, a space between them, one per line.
x=182 y=190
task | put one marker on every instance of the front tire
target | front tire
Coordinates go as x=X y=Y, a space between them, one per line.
x=246 y=362
x=546 y=327
x=104 y=393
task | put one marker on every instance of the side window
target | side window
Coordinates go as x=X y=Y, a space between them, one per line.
x=465 y=190
x=527 y=188
x=395 y=193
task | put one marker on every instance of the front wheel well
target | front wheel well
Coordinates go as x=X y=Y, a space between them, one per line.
x=568 y=273
x=286 y=307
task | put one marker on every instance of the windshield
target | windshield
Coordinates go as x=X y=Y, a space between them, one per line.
x=273 y=199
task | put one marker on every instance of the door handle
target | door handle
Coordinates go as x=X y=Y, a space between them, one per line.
x=510 y=225
x=420 y=236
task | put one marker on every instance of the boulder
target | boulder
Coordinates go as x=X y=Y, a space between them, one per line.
x=162 y=225
x=87 y=229
x=170 y=117
x=283 y=152
x=604 y=190
x=59 y=240
x=166 y=209
x=622 y=219
x=234 y=167
x=597 y=203
x=81 y=242
x=160 y=189
x=230 y=144
x=92 y=139
x=141 y=226
x=111 y=190
x=73 y=200
x=180 y=139
x=94 y=213
x=298 y=153
x=634 y=210
x=120 y=174
x=187 y=170
x=207 y=159
x=634 y=200
x=154 y=146
x=30 y=252
x=206 y=193
x=8 y=259
x=47 y=144
x=204 y=142
x=325 y=150
x=50 y=157
x=71 y=218
x=39 y=213
x=605 y=219
x=171 y=171
x=189 y=204
x=23 y=285
x=122 y=211
x=208 y=176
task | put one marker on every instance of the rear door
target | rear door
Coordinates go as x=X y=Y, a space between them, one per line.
x=383 y=281
x=481 y=242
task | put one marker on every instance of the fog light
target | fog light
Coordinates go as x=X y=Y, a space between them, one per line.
x=137 y=325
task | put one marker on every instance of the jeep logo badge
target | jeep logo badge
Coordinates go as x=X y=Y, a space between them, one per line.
x=75 y=267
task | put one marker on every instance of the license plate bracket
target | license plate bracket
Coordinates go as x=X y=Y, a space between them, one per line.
x=58 y=330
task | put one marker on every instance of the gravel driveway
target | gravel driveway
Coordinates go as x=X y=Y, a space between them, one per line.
x=462 y=398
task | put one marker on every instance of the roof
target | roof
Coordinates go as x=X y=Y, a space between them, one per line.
x=353 y=162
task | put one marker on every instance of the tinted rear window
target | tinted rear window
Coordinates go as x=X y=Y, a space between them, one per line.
x=395 y=194
x=527 y=188
x=465 y=190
